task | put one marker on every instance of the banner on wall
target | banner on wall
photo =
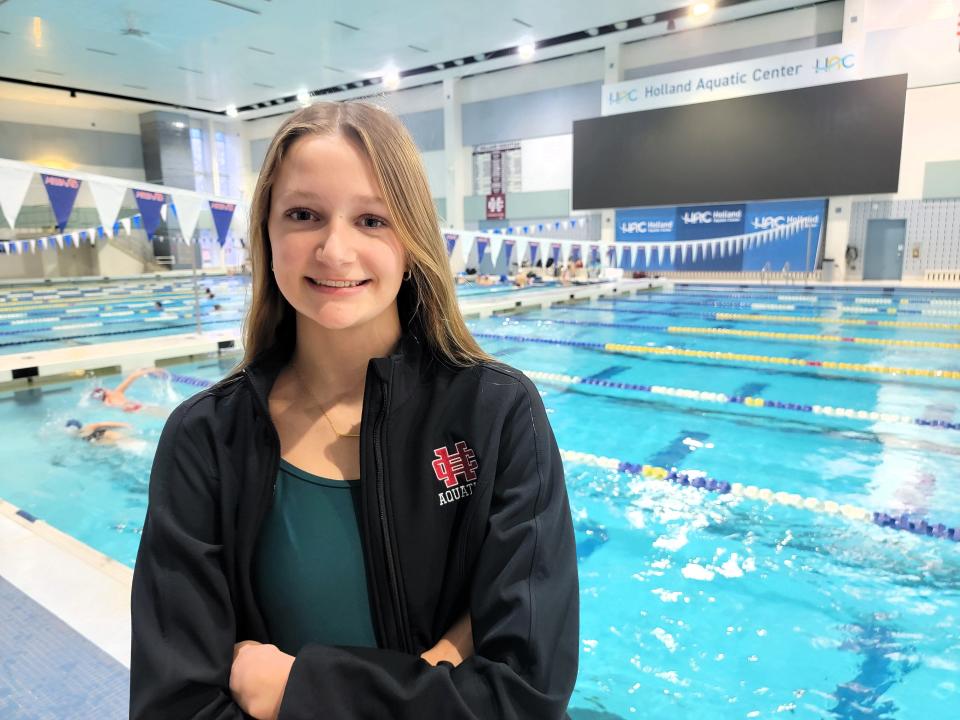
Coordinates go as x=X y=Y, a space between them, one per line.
x=222 y=215
x=149 y=203
x=62 y=192
x=730 y=237
x=805 y=68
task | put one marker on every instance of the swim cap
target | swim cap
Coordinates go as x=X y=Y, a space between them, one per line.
x=99 y=393
x=74 y=423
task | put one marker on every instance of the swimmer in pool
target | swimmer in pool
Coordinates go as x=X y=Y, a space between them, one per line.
x=116 y=397
x=99 y=433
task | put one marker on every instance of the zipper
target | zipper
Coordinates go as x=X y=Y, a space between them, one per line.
x=384 y=525
x=274 y=460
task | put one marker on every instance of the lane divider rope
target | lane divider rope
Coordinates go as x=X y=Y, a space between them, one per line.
x=746 y=400
x=740 y=357
x=835 y=321
x=903 y=521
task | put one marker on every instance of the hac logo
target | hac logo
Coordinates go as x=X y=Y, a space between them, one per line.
x=702 y=217
x=835 y=62
x=621 y=95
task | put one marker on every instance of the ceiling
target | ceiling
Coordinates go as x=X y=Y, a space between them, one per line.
x=208 y=54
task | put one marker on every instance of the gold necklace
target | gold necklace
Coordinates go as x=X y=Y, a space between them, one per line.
x=319 y=405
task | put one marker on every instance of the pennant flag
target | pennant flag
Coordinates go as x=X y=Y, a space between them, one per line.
x=594 y=254
x=13 y=189
x=673 y=253
x=575 y=253
x=108 y=198
x=187 y=209
x=33 y=247
x=149 y=203
x=683 y=252
x=222 y=214
x=624 y=256
x=125 y=222
x=92 y=235
x=451 y=242
x=62 y=192
x=694 y=247
x=496 y=243
x=163 y=212
x=466 y=245
x=555 y=252
x=482 y=243
x=59 y=239
x=534 y=247
x=508 y=246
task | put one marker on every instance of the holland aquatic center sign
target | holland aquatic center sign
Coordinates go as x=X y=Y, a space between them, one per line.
x=805 y=68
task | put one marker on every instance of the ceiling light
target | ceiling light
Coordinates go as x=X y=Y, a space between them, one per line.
x=231 y=111
x=593 y=32
x=439 y=66
x=648 y=19
x=178 y=124
x=701 y=8
x=358 y=84
x=622 y=25
x=303 y=97
x=391 y=79
x=343 y=87
x=458 y=62
x=527 y=51
x=37 y=32
x=480 y=57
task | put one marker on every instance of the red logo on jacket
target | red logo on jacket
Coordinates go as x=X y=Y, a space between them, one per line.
x=453 y=468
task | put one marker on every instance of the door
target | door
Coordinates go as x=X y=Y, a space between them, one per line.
x=883 y=253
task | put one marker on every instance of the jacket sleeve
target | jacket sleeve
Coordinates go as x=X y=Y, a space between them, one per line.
x=524 y=608
x=183 y=628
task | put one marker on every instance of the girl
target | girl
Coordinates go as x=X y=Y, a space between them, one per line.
x=369 y=518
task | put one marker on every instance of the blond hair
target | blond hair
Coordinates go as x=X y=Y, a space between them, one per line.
x=428 y=301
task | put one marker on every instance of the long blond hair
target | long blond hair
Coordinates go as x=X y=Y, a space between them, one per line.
x=428 y=301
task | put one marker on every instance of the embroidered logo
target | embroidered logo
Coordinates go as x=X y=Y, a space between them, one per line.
x=457 y=471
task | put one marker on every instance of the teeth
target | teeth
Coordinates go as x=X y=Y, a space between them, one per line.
x=338 y=283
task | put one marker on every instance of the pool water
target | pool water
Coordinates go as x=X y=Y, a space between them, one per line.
x=694 y=604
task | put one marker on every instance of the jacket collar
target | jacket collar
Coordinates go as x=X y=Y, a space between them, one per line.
x=403 y=370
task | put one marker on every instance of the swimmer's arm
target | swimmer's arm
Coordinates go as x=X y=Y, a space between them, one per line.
x=137 y=374
x=91 y=427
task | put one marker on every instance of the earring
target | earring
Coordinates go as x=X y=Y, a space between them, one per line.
x=407 y=275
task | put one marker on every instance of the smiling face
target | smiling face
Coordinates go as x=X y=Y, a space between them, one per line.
x=336 y=257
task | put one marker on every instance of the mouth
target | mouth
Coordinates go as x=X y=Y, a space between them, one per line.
x=338 y=287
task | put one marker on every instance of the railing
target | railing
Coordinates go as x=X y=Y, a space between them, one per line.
x=942 y=276
x=764 y=276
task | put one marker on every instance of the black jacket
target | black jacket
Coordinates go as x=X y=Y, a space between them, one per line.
x=463 y=505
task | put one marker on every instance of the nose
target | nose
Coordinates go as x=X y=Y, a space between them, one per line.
x=335 y=246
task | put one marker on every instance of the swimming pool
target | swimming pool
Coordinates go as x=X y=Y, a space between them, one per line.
x=694 y=603
x=41 y=317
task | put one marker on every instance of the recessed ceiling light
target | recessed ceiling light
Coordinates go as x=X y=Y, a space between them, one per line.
x=391 y=79
x=231 y=111
x=648 y=19
x=303 y=97
x=480 y=57
x=439 y=66
x=527 y=51
x=343 y=87
x=179 y=125
x=701 y=8
x=593 y=32
x=358 y=84
x=622 y=25
x=458 y=62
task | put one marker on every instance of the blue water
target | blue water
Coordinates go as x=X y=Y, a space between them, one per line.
x=693 y=604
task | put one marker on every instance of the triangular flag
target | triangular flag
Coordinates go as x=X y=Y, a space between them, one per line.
x=188 y=213
x=108 y=198
x=451 y=241
x=125 y=222
x=519 y=250
x=33 y=247
x=14 y=182
x=62 y=192
x=534 y=249
x=496 y=242
x=59 y=239
x=163 y=212
x=683 y=252
x=482 y=243
x=508 y=247
x=673 y=253
x=466 y=245
x=92 y=236
x=222 y=215
x=150 y=204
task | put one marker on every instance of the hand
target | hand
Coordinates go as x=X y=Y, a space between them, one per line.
x=455 y=646
x=258 y=678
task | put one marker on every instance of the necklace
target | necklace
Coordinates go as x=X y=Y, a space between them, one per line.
x=319 y=405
